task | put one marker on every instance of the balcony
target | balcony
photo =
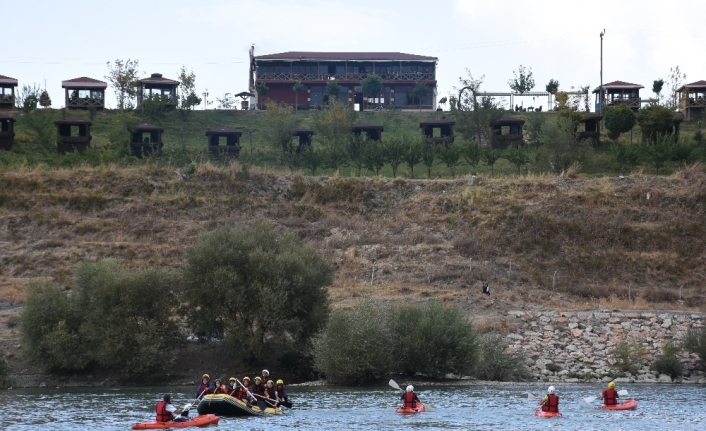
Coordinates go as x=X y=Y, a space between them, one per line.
x=85 y=102
x=404 y=76
x=632 y=102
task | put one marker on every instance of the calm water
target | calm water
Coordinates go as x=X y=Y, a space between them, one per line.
x=662 y=407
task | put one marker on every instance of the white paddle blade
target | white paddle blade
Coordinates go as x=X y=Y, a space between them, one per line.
x=589 y=400
x=531 y=396
x=429 y=409
x=187 y=407
x=623 y=393
x=393 y=384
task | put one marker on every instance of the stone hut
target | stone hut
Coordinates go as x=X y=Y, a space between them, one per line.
x=229 y=137
x=7 y=132
x=590 y=128
x=444 y=128
x=373 y=132
x=74 y=134
x=146 y=139
x=507 y=131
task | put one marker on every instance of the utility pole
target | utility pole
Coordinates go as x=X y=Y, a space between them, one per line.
x=601 y=98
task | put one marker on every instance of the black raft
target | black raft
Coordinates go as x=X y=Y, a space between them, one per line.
x=225 y=405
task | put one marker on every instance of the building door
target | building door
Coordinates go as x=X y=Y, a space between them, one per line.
x=358 y=98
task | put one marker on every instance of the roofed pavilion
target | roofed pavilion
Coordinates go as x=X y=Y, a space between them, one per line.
x=617 y=93
x=692 y=99
x=84 y=93
x=157 y=86
x=373 y=132
x=7 y=92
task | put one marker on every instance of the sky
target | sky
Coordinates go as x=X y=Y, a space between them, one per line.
x=53 y=40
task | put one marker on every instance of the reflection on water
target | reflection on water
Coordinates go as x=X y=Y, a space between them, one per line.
x=457 y=407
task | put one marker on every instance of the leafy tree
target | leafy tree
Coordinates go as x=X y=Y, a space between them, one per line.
x=262 y=89
x=335 y=121
x=695 y=341
x=394 y=153
x=533 y=130
x=657 y=88
x=497 y=362
x=187 y=89
x=226 y=102
x=44 y=99
x=517 y=156
x=336 y=153
x=123 y=76
x=467 y=99
x=451 y=157
x=356 y=152
x=659 y=152
x=627 y=156
x=655 y=120
x=474 y=114
x=668 y=362
x=619 y=119
x=676 y=80
x=552 y=86
x=420 y=91
x=28 y=97
x=490 y=156
x=523 y=81
x=279 y=123
x=562 y=100
x=428 y=157
x=683 y=152
x=560 y=144
x=374 y=154
x=332 y=90
x=238 y=273
x=413 y=154
x=312 y=159
x=471 y=152
x=297 y=88
x=371 y=85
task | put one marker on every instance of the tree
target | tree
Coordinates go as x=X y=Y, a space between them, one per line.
x=523 y=81
x=428 y=157
x=659 y=152
x=471 y=152
x=420 y=91
x=336 y=153
x=332 y=90
x=552 y=86
x=28 y=97
x=627 y=156
x=657 y=88
x=413 y=154
x=560 y=145
x=227 y=102
x=676 y=80
x=374 y=154
x=474 y=114
x=262 y=89
x=517 y=156
x=356 y=152
x=44 y=99
x=187 y=89
x=655 y=120
x=334 y=121
x=467 y=99
x=371 y=85
x=490 y=156
x=450 y=156
x=239 y=272
x=394 y=153
x=619 y=119
x=311 y=159
x=279 y=123
x=123 y=76
x=297 y=88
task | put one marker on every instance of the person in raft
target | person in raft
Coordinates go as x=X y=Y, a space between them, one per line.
x=281 y=393
x=265 y=376
x=232 y=386
x=166 y=412
x=550 y=402
x=259 y=389
x=220 y=388
x=242 y=392
x=271 y=392
x=610 y=396
x=204 y=388
x=410 y=398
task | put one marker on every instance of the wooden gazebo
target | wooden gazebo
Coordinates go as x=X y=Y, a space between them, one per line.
x=84 y=93
x=231 y=138
x=692 y=99
x=157 y=86
x=373 y=132
x=74 y=134
x=590 y=128
x=304 y=136
x=7 y=92
x=507 y=131
x=445 y=127
x=7 y=132
x=617 y=93
x=146 y=139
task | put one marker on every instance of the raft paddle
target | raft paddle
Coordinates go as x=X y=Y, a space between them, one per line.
x=260 y=403
x=622 y=393
x=393 y=384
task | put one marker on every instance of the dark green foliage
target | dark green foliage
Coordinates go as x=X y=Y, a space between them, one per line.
x=394 y=153
x=668 y=362
x=420 y=90
x=262 y=89
x=471 y=152
x=628 y=355
x=279 y=122
x=266 y=288
x=5 y=382
x=44 y=99
x=428 y=157
x=490 y=156
x=374 y=154
x=657 y=85
x=335 y=121
x=560 y=146
x=497 y=363
x=522 y=81
x=335 y=152
x=517 y=156
x=695 y=342
x=312 y=159
x=552 y=367
x=698 y=137
x=154 y=107
x=659 y=152
x=41 y=127
x=27 y=98
x=451 y=157
x=628 y=156
x=619 y=119
x=332 y=89
x=553 y=86
x=654 y=120
x=683 y=152
x=533 y=130
x=372 y=85
x=413 y=154
x=355 y=147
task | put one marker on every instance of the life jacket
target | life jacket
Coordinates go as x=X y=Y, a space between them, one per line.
x=552 y=404
x=271 y=393
x=282 y=394
x=202 y=390
x=258 y=390
x=610 y=397
x=410 y=400
x=242 y=393
x=162 y=414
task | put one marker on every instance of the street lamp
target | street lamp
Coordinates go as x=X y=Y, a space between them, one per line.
x=205 y=99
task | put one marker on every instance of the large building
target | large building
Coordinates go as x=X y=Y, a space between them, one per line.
x=399 y=73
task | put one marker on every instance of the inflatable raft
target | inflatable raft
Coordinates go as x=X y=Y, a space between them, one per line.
x=198 y=421
x=225 y=405
x=542 y=414
x=420 y=408
x=627 y=405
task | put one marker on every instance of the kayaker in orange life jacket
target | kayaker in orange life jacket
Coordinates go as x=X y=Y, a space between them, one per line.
x=610 y=396
x=550 y=402
x=409 y=398
x=166 y=412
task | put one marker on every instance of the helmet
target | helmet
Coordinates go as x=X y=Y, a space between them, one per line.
x=232 y=379
x=270 y=381
x=265 y=372
x=218 y=380
x=258 y=379
x=551 y=390
x=167 y=398
x=207 y=376
x=280 y=382
x=611 y=385
x=410 y=388
x=246 y=378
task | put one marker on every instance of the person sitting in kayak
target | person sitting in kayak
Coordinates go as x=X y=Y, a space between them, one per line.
x=281 y=393
x=242 y=392
x=610 y=396
x=410 y=398
x=271 y=392
x=550 y=402
x=166 y=412
x=220 y=388
x=204 y=387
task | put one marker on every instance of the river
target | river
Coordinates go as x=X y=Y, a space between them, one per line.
x=503 y=407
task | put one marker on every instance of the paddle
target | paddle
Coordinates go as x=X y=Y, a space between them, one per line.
x=393 y=384
x=622 y=393
x=531 y=396
x=260 y=403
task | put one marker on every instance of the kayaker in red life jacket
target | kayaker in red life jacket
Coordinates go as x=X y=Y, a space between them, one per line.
x=610 y=396
x=242 y=392
x=550 y=402
x=204 y=388
x=410 y=398
x=166 y=412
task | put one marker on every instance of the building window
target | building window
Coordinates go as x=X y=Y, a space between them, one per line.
x=316 y=95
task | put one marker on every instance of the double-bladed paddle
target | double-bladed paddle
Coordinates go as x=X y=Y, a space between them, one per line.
x=393 y=384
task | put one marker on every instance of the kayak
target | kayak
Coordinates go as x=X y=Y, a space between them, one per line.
x=627 y=405
x=542 y=414
x=420 y=408
x=198 y=421
x=225 y=405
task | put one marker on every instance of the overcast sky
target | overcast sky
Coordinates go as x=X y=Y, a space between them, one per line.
x=62 y=39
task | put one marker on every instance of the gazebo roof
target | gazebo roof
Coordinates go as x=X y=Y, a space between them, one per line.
x=436 y=123
x=619 y=85
x=367 y=126
x=157 y=78
x=83 y=82
x=224 y=131
x=589 y=117
x=694 y=85
x=144 y=127
x=7 y=117
x=7 y=80
x=508 y=120
x=73 y=121
x=302 y=131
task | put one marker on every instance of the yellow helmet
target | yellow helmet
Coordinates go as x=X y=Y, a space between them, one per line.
x=258 y=379
x=232 y=379
x=246 y=378
x=611 y=385
x=280 y=382
x=207 y=376
x=270 y=381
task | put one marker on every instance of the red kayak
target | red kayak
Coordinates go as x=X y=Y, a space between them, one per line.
x=198 y=421
x=542 y=414
x=627 y=405
x=420 y=408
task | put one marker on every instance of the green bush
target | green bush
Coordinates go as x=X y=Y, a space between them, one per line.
x=695 y=342
x=560 y=146
x=668 y=362
x=619 y=119
x=655 y=120
x=267 y=289
x=628 y=356
x=497 y=363
x=552 y=367
x=5 y=381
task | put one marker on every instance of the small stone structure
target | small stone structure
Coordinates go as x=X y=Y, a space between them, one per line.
x=373 y=132
x=232 y=142
x=507 y=131
x=74 y=134
x=146 y=139
x=7 y=132
x=590 y=128
x=445 y=127
x=7 y=92
x=304 y=136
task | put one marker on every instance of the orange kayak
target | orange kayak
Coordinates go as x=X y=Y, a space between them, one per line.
x=542 y=414
x=198 y=421
x=420 y=408
x=627 y=405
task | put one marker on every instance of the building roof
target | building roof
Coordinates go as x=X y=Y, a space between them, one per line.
x=620 y=85
x=6 y=117
x=73 y=121
x=83 y=82
x=7 y=80
x=144 y=127
x=302 y=131
x=224 y=131
x=437 y=122
x=157 y=78
x=694 y=85
x=508 y=120
x=591 y=117
x=342 y=56
x=367 y=126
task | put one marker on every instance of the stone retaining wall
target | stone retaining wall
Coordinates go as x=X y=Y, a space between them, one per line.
x=581 y=343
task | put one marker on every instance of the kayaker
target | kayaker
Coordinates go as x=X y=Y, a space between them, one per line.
x=166 y=412
x=232 y=386
x=204 y=387
x=550 y=402
x=271 y=392
x=410 y=398
x=281 y=393
x=242 y=392
x=610 y=396
x=220 y=387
